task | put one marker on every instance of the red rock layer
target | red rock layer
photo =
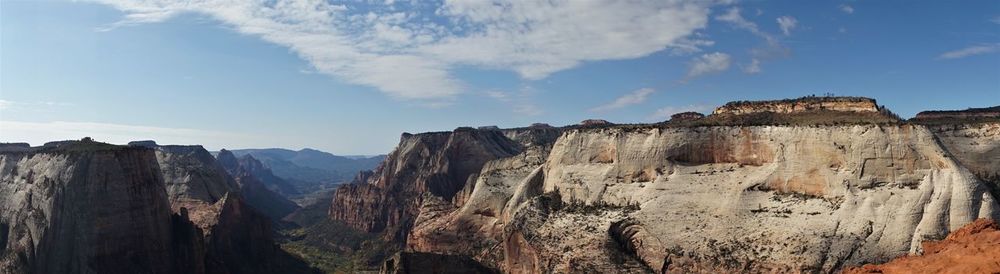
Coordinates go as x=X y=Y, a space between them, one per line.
x=975 y=248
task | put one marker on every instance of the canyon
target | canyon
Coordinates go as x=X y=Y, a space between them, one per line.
x=815 y=196
x=90 y=207
x=813 y=185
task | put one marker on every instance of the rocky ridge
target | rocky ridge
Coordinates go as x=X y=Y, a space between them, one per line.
x=804 y=104
x=656 y=198
x=89 y=207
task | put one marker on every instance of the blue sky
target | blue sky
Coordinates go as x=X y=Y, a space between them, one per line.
x=349 y=76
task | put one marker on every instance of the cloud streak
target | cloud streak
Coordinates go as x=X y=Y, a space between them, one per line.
x=635 y=97
x=787 y=24
x=772 y=50
x=970 y=51
x=410 y=52
x=708 y=64
x=847 y=9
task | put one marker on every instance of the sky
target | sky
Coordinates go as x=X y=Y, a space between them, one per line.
x=348 y=77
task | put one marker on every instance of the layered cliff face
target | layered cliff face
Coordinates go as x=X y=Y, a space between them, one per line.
x=248 y=165
x=439 y=164
x=800 y=105
x=88 y=208
x=703 y=199
x=256 y=192
x=770 y=198
x=194 y=180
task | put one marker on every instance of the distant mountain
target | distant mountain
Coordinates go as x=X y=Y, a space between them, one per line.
x=310 y=166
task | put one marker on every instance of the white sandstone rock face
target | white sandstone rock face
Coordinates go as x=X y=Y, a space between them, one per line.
x=101 y=211
x=778 y=198
x=976 y=146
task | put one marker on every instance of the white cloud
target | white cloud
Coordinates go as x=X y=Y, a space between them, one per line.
x=734 y=17
x=772 y=49
x=499 y=95
x=528 y=109
x=787 y=24
x=707 y=64
x=995 y=20
x=753 y=67
x=30 y=105
x=635 y=97
x=38 y=133
x=847 y=9
x=664 y=113
x=410 y=54
x=520 y=102
x=970 y=51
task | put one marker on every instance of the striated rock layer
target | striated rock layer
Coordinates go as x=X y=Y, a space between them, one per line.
x=436 y=163
x=89 y=208
x=800 y=105
x=687 y=199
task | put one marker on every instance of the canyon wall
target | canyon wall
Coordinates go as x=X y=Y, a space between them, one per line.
x=439 y=164
x=805 y=104
x=87 y=208
x=653 y=198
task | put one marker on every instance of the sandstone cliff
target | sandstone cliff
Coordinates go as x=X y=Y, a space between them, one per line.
x=810 y=196
x=88 y=208
x=845 y=104
x=436 y=163
x=258 y=194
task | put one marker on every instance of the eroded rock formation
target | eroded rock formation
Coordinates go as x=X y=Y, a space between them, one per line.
x=666 y=198
x=88 y=207
x=805 y=104
x=974 y=248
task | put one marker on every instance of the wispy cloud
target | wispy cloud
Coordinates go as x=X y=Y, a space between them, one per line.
x=410 y=52
x=521 y=102
x=996 y=20
x=787 y=24
x=664 y=113
x=847 y=9
x=30 y=105
x=708 y=64
x=40 y=132
x=635 y=97
x=734 y=17
x=772 y=48
x=753 y=67
x=970 y=51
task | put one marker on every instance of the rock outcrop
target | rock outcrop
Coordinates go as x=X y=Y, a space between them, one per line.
x=438 y=163
x=804 y=104
x=248 y=165
x=686 y=116
x=87 y=207
x=973 y=114
x=771 y=198
x=258 y=194
x=416 y=262
x=808 y=196
x=974 y=248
